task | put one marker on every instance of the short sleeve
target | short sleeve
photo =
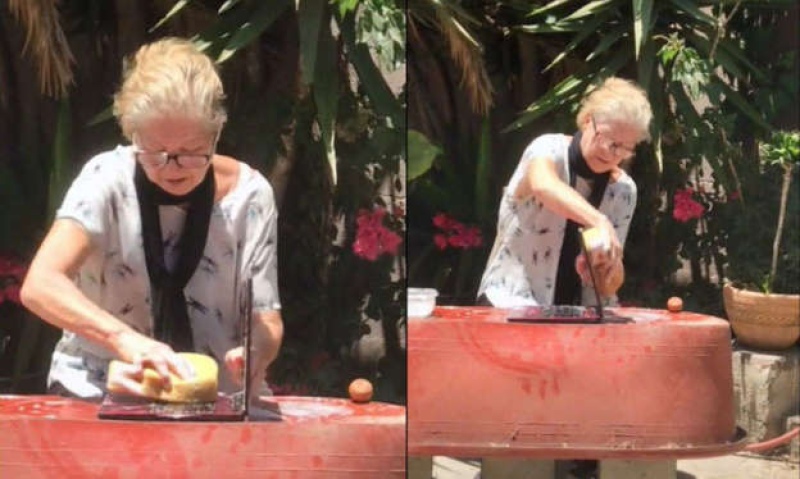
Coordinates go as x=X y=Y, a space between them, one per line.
x=88 y=200
x=262 y=227
x=624 y=204
x=551 y=146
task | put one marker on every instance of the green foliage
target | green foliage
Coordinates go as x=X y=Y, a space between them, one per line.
x=459 y=191
x=257 y=22
x=782 y=150
x=421 y=153
x=692 y=52
x=372 y=81
x=688 y=68
x=381 y=25
x=752 y=235
x=764 y=250
x=341 y=296
x=30 y=192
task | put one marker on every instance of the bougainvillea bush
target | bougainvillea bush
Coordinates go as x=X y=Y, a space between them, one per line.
x=452 y=255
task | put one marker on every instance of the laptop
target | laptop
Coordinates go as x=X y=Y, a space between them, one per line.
x=227 y=407
x=569 y=314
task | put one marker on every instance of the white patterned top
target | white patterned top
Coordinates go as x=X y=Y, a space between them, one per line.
x=522 y=266
x=242 y=238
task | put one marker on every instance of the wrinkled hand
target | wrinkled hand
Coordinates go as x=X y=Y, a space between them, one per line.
x=609 y=272
x=234 y=361
x=615 y=252
x=141 y=352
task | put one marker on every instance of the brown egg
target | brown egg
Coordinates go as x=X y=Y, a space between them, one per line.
x=360 y=390
x=675 y=304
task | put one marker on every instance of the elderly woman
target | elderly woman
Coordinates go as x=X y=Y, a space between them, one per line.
x=153 y=241
x=562 y=183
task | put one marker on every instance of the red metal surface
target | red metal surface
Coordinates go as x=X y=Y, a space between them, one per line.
x=51 y=437
x=660 y=387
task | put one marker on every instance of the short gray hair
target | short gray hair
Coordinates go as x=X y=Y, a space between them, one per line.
x=169 y=78
x=621 y=101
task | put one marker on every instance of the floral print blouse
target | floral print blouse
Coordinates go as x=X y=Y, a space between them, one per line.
x=242 y=239
x=522 y=266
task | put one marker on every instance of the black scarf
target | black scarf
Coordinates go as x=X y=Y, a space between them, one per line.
x=168 y=303
x=568 y=283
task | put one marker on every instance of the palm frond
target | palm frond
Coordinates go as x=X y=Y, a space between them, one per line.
x=469 y=58
x=453 y=22
x=46 y=42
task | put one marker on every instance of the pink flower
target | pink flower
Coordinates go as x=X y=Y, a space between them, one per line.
x=442 y=221
x=372 y=237
x=392 y=242
x=686 y=208
x=471 y=237
x=440 y=240
x=455 y=234
x=734 y=195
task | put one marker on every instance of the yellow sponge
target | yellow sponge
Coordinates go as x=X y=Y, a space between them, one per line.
x=201 y=388
x=597 y=240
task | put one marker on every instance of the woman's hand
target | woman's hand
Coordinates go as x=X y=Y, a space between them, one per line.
x=582 y=267
x=267 y=336
x=609 y=273
x=234 y=361
x=611 y=276
x=141 y=352
x=615 y=250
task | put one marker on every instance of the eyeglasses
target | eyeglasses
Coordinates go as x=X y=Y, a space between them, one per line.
x=616 y=149
x=160 y=159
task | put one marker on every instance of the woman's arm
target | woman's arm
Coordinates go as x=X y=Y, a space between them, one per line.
x=49 y=292
x=261 y=265
x=543 y=183
x=267 y=338
x=610 y=275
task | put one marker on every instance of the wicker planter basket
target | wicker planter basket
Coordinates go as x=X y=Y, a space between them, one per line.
x=763 y=321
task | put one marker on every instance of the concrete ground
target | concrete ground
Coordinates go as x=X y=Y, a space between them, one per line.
x=738 y=466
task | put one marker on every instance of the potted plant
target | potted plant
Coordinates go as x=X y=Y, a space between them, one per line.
x=762 y=295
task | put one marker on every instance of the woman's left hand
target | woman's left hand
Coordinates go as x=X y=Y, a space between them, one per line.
x=611 y=278
x=234 y=361
x=267 y=335
x=582 y=267
x=609 y=273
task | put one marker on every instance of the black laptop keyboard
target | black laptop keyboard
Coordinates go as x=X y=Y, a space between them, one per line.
x=567 y=311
